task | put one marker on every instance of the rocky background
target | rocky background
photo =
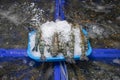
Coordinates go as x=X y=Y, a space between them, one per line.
x=15 y=20
x=101 y=18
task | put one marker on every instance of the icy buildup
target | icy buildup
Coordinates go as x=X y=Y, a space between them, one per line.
x=48 y=30
x=78 y=40
x=60 y=27
x=64 y=30
x=38 y=13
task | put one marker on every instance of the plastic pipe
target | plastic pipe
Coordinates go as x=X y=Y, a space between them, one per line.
x=97 y=54
x=62 y=15
x=105 y=55
x=57 y=64
x=57 y=71
x=56 y=15
x=13 y=53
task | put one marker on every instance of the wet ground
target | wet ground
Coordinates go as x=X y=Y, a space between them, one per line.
x=102 y=23
x=16 y=20
x=27 y=69
x=100 y=18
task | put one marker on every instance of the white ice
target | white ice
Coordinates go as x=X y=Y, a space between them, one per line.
x=61 y=27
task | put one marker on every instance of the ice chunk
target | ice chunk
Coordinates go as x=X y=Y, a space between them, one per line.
x=64 y=30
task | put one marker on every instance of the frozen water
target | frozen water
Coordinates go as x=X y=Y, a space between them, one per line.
x=64 y=30
x=48 y=30
x=77 y=42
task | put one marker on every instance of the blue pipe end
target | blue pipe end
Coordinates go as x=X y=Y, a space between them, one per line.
x=105 y=55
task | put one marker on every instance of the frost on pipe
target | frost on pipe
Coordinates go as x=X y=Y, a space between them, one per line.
x=56 y=41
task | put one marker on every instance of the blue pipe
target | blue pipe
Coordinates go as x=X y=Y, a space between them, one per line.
x=57 y=71
x=105 y=55
x=59 y=12
x=13 y=53
x=64 y=75
x=56 y=15
x=97 y=54
x=62 y=15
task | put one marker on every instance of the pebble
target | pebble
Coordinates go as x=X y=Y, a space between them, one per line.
x=4 y=77
x=31 y=63
x=117 y=61
x=1 y=66
x=24 y=61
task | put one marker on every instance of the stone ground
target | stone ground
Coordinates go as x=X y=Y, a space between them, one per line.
x=103 y=26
